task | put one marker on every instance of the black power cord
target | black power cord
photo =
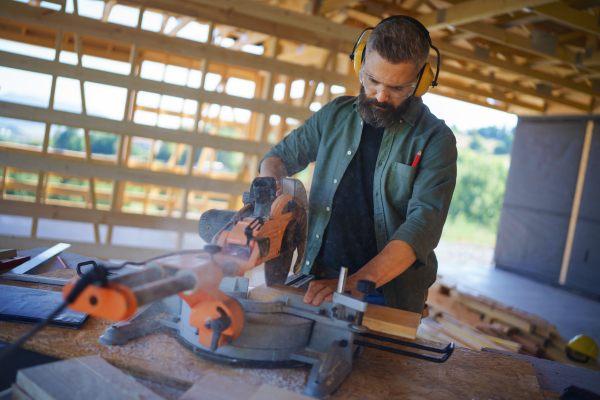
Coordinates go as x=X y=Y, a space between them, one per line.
x=96 y=275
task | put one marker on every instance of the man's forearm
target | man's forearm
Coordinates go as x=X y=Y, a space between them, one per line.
x=395 y=258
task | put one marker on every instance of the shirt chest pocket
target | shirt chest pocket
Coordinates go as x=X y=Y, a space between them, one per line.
x=399 y=185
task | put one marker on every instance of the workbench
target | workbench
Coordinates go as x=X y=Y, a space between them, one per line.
x=160 y=358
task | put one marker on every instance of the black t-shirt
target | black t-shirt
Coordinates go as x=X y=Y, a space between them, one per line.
x=349 y=239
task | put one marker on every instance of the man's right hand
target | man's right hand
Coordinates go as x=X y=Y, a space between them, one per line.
x=273 y=167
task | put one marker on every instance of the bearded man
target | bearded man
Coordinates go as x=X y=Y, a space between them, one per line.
x=384 y=176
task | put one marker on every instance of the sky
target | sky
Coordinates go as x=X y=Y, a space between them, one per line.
x=109 y=101
x=467 y=116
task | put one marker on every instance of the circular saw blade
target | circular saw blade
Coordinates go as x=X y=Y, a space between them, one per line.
x=277 y=269
x=301 y=230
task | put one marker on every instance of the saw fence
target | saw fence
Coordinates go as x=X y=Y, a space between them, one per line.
x=475 y=321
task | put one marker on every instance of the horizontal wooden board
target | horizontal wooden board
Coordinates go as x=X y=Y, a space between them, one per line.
x=73 y=167
x=117 y=218
x=86 y=26
x=30 y=113
x=136 y=83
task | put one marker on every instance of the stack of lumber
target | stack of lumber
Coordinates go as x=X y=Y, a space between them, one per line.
x=474 y=321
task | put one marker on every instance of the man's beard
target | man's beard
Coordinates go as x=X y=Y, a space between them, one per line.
x=380 y=117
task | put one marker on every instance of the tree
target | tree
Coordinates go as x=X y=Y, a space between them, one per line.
x=480 y=185
x=68 y=139
x=103 y=143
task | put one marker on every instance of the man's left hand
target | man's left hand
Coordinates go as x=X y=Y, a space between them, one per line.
x=320 y=290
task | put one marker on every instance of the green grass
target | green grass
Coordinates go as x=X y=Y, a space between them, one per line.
x=460 y=229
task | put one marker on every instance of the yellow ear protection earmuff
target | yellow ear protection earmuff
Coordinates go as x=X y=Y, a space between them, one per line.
x=426 y=78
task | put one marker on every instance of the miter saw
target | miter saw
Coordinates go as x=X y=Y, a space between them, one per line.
x=211 y=314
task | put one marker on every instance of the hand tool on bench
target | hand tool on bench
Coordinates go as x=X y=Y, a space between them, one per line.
x=211 y=314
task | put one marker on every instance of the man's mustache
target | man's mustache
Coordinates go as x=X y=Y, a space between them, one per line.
x=385 y=105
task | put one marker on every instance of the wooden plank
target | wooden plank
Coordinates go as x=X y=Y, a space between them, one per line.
x=493 y=95
x=565 y=15
x=518 y=42
x=379 y=319
x=119 y=33
x=81 y=378
x=30 y=113
x=493 y=313
x=330 y=5
x=38 y=162
x=136 y=83
x=49 y=211
x=264 y=18
x=439 y=299
x=469 y=55
x=474 y=10
x=585 y=156
x=7 y=253
x=477 y=76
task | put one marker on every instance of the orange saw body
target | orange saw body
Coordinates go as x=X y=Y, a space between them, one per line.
x=267 y=230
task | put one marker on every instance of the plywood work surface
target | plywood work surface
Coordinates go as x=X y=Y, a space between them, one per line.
x=161 y=358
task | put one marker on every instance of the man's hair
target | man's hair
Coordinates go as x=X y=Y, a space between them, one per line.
x=398 y=41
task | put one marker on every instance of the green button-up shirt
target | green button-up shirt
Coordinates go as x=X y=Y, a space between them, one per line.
x=410 y=203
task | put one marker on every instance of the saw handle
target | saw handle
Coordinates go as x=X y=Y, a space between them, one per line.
x=218 y=326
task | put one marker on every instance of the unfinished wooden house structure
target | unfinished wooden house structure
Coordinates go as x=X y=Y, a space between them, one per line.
x=529 y=57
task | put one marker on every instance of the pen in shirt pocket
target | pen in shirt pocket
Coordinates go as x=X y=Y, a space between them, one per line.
x=417 y=158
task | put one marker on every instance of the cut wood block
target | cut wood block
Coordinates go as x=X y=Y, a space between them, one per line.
x=7 y=253
x=218 y=387
x=81 y=378
x=379 y=319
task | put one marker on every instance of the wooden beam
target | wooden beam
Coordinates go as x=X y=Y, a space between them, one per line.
x=108 y=6
x=469 y=55
x=470 y=98
x=565 y=15
x=585 y=156
x=368 y=19
x=181 y=23
x=37 y=162
x=29 y=113
x=124 y=34
x=136 y=83
x=511 y=86
x=474 y=10
x=250 y=38
x=518 y=42
x=496 y=95
x=264 y=18
x=384 y=7
x=48 y=211
x=330 y=5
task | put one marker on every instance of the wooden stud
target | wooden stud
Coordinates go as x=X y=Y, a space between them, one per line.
x=585 y=155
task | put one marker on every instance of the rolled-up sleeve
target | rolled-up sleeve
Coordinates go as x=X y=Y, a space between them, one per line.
x=432 y=192
x=300 y=147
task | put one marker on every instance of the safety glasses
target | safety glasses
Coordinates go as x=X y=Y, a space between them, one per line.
x=392 y=90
